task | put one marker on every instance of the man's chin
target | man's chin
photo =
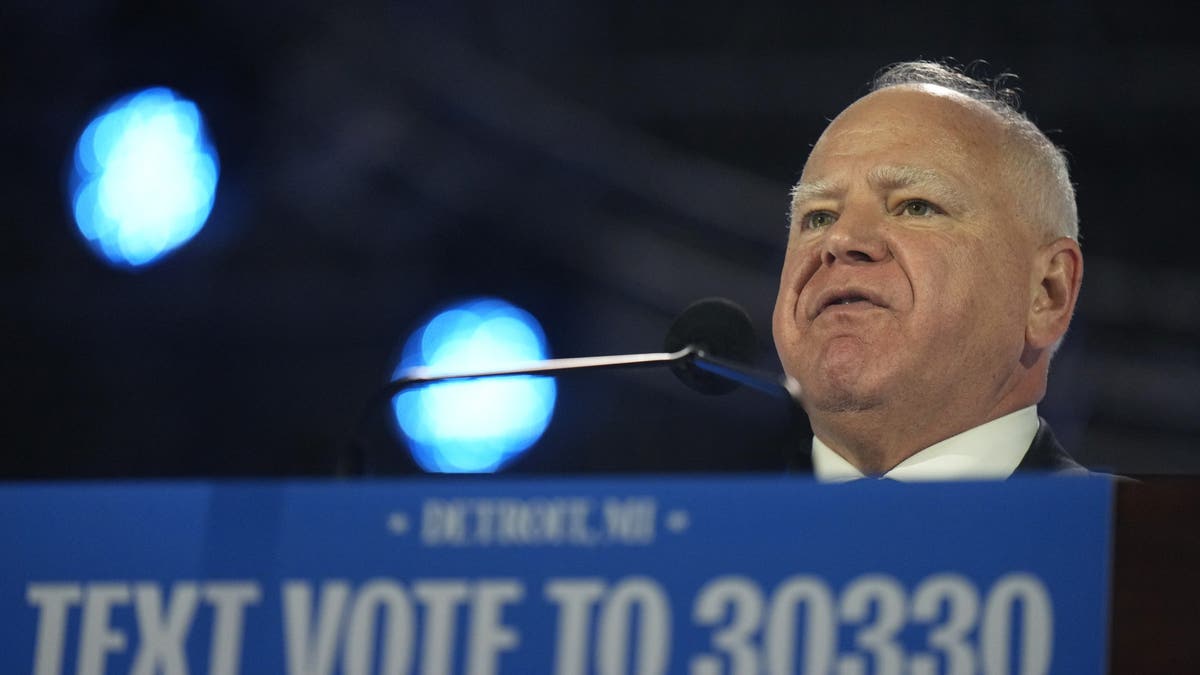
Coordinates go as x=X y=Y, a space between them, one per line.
x=830 y=398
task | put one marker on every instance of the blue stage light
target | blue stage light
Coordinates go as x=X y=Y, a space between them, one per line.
x=144 y=179
x=474 y=426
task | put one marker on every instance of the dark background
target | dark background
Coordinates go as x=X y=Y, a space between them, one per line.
x=600 y=164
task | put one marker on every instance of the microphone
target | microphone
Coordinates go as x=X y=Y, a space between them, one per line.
x=708 y=347
x=722 y=336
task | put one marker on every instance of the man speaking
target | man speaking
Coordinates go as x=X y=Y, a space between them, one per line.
x=932 y=268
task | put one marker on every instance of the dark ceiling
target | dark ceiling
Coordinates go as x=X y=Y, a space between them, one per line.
x=601 y=164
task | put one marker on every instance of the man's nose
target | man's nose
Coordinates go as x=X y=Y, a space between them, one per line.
x=856 y=238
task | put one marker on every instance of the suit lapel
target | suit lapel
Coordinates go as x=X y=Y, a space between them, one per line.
x=1046 y=455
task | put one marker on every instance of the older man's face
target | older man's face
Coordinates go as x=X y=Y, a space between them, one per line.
x=908 y=275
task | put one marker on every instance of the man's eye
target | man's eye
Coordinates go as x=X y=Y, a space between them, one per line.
x=917 y=207
x=817 y=220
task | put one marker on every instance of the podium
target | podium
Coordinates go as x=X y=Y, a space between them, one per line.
x=1156 y=576
x=656 y=574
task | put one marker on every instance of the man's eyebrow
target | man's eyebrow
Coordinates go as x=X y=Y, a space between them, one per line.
x=894 y=177
x=804 y=192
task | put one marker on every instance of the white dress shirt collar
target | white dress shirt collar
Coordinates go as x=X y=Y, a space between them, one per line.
x=990 y=451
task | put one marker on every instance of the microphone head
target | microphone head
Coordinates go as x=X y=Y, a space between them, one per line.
x=721 y=329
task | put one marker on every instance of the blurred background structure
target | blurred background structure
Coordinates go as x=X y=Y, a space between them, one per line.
x=598 y=164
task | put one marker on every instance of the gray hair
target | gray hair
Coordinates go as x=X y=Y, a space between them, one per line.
x=1041 y=166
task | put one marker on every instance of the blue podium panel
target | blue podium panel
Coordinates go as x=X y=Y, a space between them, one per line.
x=567 y=576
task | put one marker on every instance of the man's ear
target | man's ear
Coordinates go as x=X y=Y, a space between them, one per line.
x=1057 y=275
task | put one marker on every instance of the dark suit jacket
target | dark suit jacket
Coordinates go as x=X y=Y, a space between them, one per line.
x=1045 y=455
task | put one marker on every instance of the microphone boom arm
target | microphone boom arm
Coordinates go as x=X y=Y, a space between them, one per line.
x=420 y=375
x=780 y=386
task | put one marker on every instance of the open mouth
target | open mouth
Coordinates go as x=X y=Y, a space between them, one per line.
x=849 y=299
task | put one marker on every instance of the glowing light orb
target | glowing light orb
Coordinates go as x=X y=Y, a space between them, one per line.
x=145 y=176
x=475 y=426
